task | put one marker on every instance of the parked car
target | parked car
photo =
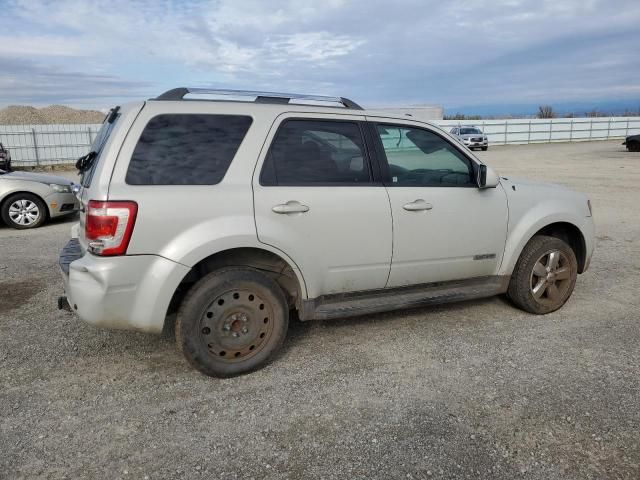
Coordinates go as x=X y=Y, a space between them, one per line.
x=235 y=213
x=28 y=199
x=5 y=159
x=471 y=137
x=633 y=143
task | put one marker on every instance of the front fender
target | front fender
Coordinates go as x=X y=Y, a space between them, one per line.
x=535 y=220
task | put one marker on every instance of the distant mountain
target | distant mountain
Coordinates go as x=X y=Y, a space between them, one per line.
x=26 y=115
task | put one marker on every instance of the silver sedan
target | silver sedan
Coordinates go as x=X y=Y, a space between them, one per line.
x=27 y=199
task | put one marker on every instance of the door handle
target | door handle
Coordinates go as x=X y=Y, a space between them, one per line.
x=291 y=206
x=417 y=205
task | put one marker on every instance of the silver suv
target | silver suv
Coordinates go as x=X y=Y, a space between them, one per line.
x=235 y=213
x=471 y=137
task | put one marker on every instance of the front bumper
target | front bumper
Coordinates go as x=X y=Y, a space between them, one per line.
x=469 y=144
x=130 y=292
x=61 y=204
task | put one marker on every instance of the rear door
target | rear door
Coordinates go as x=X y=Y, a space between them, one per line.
x=318 y=200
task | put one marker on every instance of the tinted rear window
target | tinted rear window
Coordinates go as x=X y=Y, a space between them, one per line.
x=317 y=152
x=186 y=149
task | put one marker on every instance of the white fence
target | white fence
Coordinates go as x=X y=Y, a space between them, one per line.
x=522 y=131
x=37 y=145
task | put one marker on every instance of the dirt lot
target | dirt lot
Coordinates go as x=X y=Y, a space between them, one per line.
x=473 y=390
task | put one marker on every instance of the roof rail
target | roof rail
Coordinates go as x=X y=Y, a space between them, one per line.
x=260 y=97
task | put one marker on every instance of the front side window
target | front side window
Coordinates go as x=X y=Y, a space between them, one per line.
x=418 y=157
x=186 y=149
x=316 y=152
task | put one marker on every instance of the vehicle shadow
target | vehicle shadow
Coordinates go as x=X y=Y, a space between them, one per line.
x=167 y=356
x=299 y=330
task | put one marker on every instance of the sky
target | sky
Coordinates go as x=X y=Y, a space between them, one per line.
x=483 y=56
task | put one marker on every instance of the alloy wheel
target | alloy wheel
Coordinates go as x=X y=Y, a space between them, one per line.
x=551 y=278
x=24 y=212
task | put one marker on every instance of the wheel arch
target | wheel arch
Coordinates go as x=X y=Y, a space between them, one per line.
x=557 y=227
x=283 y=271
x=571 y=235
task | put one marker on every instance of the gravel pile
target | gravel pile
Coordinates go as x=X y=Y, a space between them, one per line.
x=25 y=115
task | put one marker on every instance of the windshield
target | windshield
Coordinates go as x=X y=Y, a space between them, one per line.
x=470 y=131
x=97 y=145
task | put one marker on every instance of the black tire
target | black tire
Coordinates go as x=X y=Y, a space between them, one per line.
x=543 y=291
x=484 y=149
x=32 y=203
x=232 y=322
x=633 y=146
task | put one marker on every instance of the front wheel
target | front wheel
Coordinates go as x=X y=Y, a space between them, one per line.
x=24 y=210
x=232 y=322
x=544 y=276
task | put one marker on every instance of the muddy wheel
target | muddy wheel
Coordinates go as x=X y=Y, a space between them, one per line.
x=544 y=276
x=232 y=321
x=24 y=210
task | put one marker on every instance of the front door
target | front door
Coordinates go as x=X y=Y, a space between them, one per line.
x=444 y=226
x=316 y=200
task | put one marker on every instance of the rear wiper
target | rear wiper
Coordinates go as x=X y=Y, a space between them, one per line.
x=113 y=113
x=85 y=162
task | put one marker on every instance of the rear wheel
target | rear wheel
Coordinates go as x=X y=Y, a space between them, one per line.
x=24 y=210
x=544 y=276
x=232 y=321
x=633 y=146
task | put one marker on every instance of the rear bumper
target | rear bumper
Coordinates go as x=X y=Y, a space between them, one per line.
x=127 y=292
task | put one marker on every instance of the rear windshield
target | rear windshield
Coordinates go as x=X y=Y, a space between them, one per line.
x=98 y=145
x=186 y=149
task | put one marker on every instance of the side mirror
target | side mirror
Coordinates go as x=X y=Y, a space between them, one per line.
x=487 y=177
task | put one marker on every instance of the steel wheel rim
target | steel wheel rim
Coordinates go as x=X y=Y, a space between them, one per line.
x=551 y=278
x=24 y=212
x=236 y=325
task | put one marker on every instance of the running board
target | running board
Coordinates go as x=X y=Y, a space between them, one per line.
x=342 y=305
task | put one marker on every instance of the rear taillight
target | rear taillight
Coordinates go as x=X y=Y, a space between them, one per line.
x=109 y=225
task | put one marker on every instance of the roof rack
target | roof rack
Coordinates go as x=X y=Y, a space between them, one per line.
x=260 y=97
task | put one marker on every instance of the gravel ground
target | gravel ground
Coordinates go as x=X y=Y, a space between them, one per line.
x=471 y=390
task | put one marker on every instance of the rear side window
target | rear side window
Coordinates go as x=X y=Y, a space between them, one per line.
x=98 y=144
x=186 y=149
x=317 y=152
